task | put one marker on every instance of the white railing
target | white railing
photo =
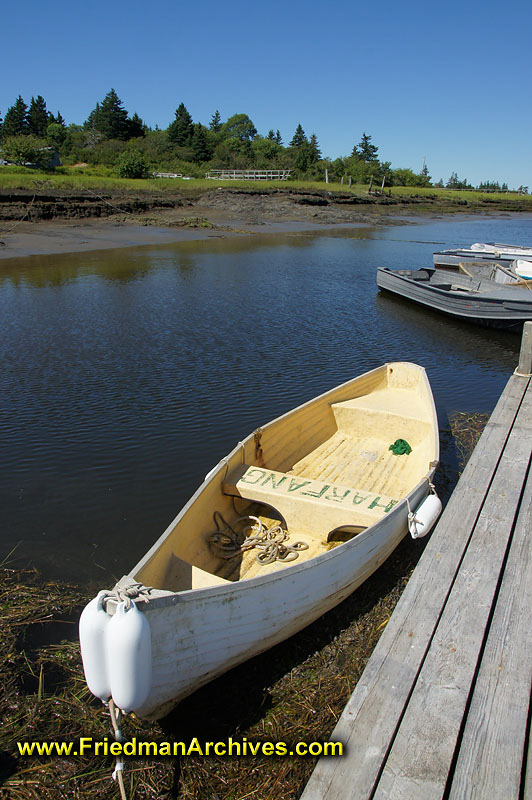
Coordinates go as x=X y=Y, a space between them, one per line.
x=248 y=174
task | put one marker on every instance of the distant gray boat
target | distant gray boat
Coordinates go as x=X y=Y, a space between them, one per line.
x=480 y=252
x=468 y=297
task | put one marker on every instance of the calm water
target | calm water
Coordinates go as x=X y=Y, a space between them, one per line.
x=127 y=374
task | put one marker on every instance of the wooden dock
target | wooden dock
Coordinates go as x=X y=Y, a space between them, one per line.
x=442 y=709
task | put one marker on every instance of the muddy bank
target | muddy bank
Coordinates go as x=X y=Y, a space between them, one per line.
x=39 y=205
x=62 y=221
x=45 y=224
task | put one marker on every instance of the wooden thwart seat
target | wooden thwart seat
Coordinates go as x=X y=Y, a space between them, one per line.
x=306 y=505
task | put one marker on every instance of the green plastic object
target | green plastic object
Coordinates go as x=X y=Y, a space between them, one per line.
x=400 y=447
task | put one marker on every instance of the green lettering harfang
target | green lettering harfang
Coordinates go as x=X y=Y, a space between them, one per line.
x=271 y=479
x=246 y=476
x=335 y=496
x=386 y=506
x=320 y=493
x=359 y=498
x=295 y=486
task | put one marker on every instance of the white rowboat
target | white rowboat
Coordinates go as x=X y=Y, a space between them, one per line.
x=326 y=473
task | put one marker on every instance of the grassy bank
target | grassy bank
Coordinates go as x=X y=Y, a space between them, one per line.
x=295 y=692
x=77 y=180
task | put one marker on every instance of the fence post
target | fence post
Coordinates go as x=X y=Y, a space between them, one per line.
x=326 y=176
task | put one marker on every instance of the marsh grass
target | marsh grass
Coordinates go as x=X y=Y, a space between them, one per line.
x=101 y=179
x=466 y=429
x=294 y=692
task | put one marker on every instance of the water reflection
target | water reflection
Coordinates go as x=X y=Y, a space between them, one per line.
x=126 y=374
x=129 y=263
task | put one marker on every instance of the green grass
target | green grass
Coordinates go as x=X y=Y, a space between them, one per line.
x=75 y=179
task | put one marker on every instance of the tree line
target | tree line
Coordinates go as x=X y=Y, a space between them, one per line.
x=113 y=138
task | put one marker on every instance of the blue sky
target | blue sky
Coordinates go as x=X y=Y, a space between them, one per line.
x=446 y=82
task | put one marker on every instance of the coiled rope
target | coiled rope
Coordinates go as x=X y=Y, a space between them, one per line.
x=131 y=591
x=271 y=542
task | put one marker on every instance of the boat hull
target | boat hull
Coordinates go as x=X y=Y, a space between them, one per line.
x=506 y=307
x=199 y=635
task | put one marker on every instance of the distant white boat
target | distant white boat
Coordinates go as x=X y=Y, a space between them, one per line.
x=498 y=247
x=337 y=482
x=480 y=251
x=523 y=268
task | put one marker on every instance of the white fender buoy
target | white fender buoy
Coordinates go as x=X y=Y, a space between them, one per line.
x=128 y=639
x=424 y=517
x=93 y=625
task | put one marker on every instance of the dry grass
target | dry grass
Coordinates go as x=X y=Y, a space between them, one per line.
x=466 y=429
x=295 y=692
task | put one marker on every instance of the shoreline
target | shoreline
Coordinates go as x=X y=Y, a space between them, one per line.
x=55 y=238
x=215 y=215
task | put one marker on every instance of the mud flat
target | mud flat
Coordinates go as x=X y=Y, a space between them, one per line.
x=62 y=222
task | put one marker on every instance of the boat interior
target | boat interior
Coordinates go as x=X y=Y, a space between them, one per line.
x=323 y=473
x=470 y=277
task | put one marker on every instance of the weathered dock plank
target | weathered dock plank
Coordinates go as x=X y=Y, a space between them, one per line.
x=493 y=743
x=389 y=751
x=420 y=759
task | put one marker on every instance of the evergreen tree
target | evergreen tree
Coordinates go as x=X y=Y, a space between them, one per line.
x=37 y=117
x=365 y=150
x=110 y=118
x=135 y=127
x=216 y=122
x=275 y=137
x=93 y=117
x=454 y=182
x=299 y=137
x=15 y=121
x=181 y=131
x=314 y=149
x=200 y=148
